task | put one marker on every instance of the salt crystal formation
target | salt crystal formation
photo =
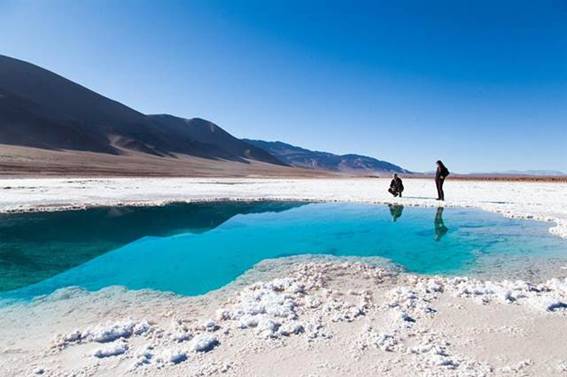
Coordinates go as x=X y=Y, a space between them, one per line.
x=308 y=303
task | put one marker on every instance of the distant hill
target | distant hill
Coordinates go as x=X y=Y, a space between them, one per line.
x=534 y=173
x=305 y=158
x=41 y=109
x=214 y=140
x=51 y=125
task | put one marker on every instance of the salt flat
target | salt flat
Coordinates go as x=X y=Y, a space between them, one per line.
x=319 y=317
x=544 y=201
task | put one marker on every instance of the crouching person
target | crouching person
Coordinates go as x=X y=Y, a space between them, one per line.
x=396 y=186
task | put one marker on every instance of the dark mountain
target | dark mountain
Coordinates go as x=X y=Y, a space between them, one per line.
x=348 y=163
x=217 y=140
x=41 y=109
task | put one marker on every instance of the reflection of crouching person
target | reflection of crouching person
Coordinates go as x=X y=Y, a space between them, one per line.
x=396 y=186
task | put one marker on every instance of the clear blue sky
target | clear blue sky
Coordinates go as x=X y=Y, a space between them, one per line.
x=479 y=84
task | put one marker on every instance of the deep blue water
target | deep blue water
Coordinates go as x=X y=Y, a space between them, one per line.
x=191 y=249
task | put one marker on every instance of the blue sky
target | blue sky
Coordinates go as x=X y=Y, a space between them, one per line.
x=479 y=84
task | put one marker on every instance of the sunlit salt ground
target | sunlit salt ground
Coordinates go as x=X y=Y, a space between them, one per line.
x=191 y=249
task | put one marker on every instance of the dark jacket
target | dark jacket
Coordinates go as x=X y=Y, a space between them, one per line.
x=397 y=184
x=442 y=172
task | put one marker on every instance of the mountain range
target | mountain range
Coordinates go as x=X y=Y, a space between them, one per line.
x=531 y=173
x=48 y=120
x=305 y=158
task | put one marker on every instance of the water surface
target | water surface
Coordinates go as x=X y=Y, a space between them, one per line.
x=191 y=249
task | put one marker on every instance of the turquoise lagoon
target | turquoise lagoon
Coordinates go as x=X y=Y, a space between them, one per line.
x=191 y=249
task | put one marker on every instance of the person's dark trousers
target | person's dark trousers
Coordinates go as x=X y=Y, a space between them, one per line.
x=393 y=192
x=439 y=183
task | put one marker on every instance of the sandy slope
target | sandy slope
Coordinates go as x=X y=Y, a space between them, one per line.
x=307 y=317
x=25 y=162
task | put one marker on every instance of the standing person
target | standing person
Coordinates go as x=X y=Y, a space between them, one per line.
x=440 y=175
x=396 y=186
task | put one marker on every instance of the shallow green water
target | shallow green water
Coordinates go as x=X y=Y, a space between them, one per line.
x=191 y=249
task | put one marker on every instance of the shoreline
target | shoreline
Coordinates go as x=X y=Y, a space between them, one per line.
x=524 y=201
x=350 y=317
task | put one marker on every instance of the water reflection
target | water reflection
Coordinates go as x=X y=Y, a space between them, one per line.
x=195 y=261
x=396 y=211
x=440 y=228
x=36 y=246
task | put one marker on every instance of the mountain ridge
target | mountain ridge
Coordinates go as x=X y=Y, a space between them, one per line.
x=306 y=158
x=40 y=109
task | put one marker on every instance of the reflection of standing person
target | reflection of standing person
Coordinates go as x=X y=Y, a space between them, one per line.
x=396 y=211
x=440 y=228
x=440 y=175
